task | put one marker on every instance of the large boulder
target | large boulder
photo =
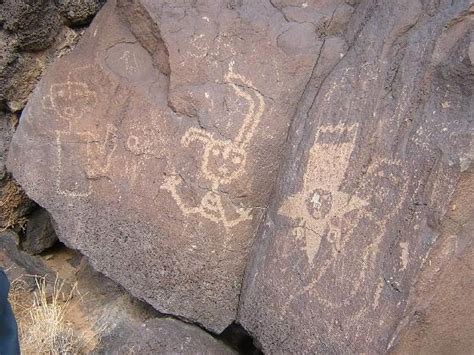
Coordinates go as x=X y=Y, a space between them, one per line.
x=156 y=143
x=163 y=336
x=373 y=201
x=31 y=37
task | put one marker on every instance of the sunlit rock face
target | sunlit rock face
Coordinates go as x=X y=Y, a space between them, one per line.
x=156 y=143
x=301 y=167
x=371 y=202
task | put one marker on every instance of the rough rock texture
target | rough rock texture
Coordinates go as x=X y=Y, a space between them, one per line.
x=31 y=37
x=155 y=144
x=365 y=204
x=164 y=336
x=100 y=306
x=79 y=12
x=443 y=320
x=14 y=204
x=17 y=263
x=39 y=234
x=339 y=133
x=35 y=23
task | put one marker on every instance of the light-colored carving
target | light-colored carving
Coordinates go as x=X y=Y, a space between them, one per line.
x=320 y=212
x=404 y=255
x=71 y=101
x=130 y=61
x=319 y=206
x=199 y=42
x=222 y=161
x=382 y=196
x=210 y=207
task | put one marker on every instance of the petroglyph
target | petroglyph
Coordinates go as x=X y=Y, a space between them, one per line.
x=404 y=255
x=210 y=207
x=320 y=213
x=144 y=142
x=386 y=180
x=70 y=101
x=222 y=161
x=130 y=61
x=199 y=43
x=318 y=207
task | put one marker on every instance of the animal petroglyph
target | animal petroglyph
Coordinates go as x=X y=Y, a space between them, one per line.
x=319 y=206
x=70 y=101
x=222 y=161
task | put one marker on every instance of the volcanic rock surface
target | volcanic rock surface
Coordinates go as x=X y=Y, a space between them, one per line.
x=365 y=199
x=155 y=144
x=320 y=151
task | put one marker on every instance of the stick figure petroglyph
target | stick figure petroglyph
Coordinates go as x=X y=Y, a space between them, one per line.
x=130 y=61
x=222 y=161
x=85 y=154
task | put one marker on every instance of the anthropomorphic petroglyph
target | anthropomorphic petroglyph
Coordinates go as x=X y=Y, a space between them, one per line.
x=222 y=161
x=320 y=205
x=320 y=212
x=130 y=62
x=144 y=142
x=71 y=101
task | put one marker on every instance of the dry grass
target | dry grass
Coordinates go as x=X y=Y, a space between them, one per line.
x=11 y=198
x=43 y=319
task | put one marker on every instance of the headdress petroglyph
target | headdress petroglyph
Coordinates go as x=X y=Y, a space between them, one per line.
x=71 y=101
x=319 y=211
x=222 y=161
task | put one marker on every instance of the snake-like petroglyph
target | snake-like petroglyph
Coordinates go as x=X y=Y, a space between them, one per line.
x=222 y=161
x=71 y=101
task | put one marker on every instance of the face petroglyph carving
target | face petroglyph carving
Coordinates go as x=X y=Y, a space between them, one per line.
x=70 y=101
x=320 y=212
x=222 y=161
x=320 y=203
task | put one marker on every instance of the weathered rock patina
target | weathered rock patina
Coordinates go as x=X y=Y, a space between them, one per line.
x=335 y=137
x=155 y=144
x=364 y=199
x=165 y=336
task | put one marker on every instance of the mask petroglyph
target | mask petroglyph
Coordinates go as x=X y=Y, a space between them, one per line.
x=320 y=211
x=318 y=207
x=222 y=160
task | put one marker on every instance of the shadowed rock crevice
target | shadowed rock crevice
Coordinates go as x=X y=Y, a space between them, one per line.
x=309 y=151
x=147 y=31
x=239 y=339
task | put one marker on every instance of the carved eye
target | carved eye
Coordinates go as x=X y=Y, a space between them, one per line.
x=236 y=160
x=69 y=111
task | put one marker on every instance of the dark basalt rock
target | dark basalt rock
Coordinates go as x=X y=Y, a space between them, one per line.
x=325 y=147
x=155 y=144
x=39 y=233
x=363 y=203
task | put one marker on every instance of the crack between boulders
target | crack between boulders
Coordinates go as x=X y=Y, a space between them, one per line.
x=291 y=127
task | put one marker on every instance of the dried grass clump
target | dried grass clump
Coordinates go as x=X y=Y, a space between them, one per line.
x=43 y=320
x=12 y=197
